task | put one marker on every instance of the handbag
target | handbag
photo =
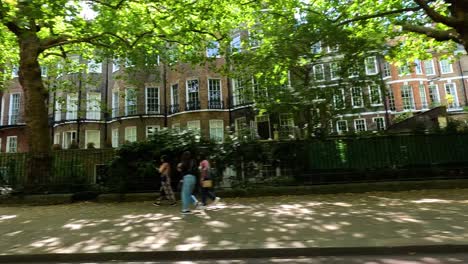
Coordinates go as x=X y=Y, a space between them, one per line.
x=207 y=183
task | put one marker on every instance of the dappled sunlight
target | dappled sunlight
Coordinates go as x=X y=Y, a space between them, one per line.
x=374 y=219
x=6 y=217
x=431 y=201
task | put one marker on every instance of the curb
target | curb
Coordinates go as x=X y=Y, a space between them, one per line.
x=234 y=254
x=390 y=186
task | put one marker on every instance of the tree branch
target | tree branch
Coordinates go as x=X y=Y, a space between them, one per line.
x=440 y=35
x=65 y=40
x=13 y=28
x=391 y=12
x=47 y=54
x=434 y=15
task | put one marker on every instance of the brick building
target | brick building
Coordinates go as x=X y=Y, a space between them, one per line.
x=111 y=103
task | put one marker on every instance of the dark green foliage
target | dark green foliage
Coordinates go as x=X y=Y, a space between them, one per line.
x=134 y=167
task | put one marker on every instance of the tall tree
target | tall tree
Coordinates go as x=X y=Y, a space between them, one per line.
x=34 y=29
x=277 y=58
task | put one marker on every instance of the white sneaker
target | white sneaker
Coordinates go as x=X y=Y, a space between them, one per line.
x=186 y=212
x=216 y=200
x=201 y=207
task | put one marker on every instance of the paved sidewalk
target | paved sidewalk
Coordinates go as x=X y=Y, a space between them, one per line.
x=431 y=217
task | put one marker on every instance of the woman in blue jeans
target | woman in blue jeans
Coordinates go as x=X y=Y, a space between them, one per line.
x=188 y=169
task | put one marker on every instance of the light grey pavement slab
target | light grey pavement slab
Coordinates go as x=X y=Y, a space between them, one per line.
x=431 y=217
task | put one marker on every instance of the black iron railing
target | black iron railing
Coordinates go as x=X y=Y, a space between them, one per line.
x=173 y=109
x=216 y=104
x=192 y=105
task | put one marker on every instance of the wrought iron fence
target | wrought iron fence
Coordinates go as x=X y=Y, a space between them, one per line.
x=71 y=170
x=292 y=162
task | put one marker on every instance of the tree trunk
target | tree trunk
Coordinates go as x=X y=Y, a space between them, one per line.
x=35 y=109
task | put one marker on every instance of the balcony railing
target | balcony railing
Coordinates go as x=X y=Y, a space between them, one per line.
x=192 y=105
x=242 y=99
x=216 y=104
x=133 y=110
x=13 y=120
x=173 y=109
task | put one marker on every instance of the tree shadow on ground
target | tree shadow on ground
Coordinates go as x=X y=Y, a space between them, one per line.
x=345 y=220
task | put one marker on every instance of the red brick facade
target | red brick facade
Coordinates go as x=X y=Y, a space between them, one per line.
x=132 y=103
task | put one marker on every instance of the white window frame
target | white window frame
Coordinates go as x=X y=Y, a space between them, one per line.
x=115 y=138
x=195 y=126
x=9 y=147
x=73 y=137
x=58 y=111
x=341 y=93
x=361 y=98
x=211 y=91
x=96 y=144
x=334 y=71
x=434 y=87
x=322 y=71
x=432 y=67
x=131 y=134
x=407 y=88
x=391 y=98
x=453 y=89
x=115 y=103
x=443 y=70
x=57 y=137
x=175 y=95
x=338 y=126
x=93 y=106
x=371 y=67
x=215 y=130
x=152 y=129
x=15 y=106
x=387 y=70
x=72 y=107
x=130 y=102
x=356 y=124
x=2 y=114
x=376 y=124
x=371 y=95
x=239 y=91
x=147 y=98
x=423 y=96
x=187 y=92
x=418 y=67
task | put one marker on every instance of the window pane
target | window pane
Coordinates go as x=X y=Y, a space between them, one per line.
x=357 y=97
x=152 y=100
x=217 y=130
x=130 y=101
x=407 y=97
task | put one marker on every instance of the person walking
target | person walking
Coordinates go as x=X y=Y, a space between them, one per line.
x=206 y=182
x=166 y=189
x=188 y=170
